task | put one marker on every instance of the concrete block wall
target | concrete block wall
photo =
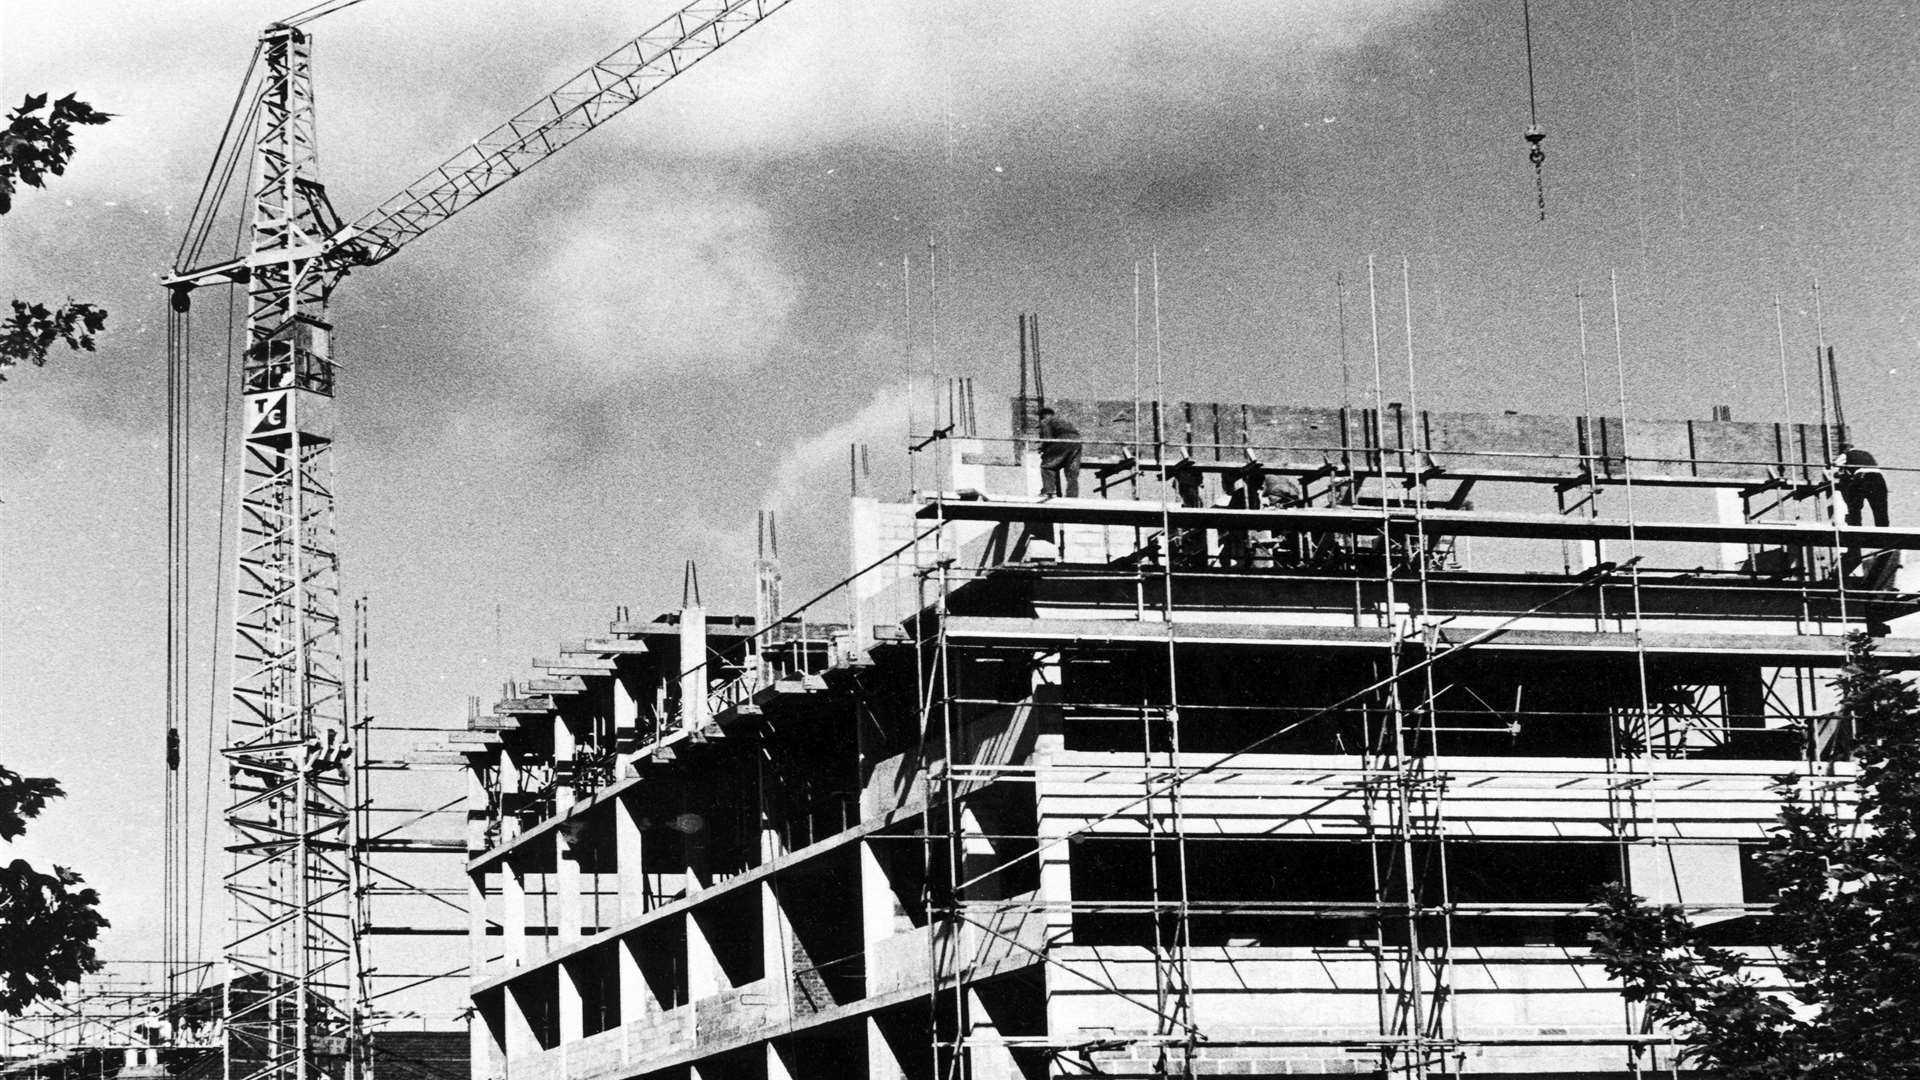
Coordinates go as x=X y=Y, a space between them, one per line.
x=1306 y=436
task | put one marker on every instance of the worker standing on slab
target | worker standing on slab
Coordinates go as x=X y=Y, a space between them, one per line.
x=1187 y=483
x=1059 y=455
x=1861 y=483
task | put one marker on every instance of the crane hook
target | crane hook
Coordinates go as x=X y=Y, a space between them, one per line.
x=1535 y=136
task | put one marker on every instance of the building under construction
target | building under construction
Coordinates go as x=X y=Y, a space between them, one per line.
x=1297 y=744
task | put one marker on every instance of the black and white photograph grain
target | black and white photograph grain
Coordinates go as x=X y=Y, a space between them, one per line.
x=959 y=540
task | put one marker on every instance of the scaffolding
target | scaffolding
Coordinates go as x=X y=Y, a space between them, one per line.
x=408 y=836
x=1293 y=783
x=1392 y=787
x=126 y=1006
x=399 y=859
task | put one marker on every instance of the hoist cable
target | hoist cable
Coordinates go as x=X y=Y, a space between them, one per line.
x=1533 y=103
x=1535 y=156
x=175 y=849
x=226 y=500
x=204 y=231
x=224 y=154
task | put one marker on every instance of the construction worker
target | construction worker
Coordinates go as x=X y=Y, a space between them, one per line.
x=1277 y=491
x=1236 y=545
x=1187 y=481
x=1059 y=455
x=1188 y=484
x=1860 y=481
x=153 y=1028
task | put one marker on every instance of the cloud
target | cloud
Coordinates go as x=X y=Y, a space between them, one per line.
x=825 y=71
x=667 y=272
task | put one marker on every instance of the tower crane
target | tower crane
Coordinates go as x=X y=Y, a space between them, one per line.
x=292 y=954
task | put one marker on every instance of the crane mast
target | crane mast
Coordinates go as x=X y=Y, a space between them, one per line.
x=290 y=955
x=295 y=991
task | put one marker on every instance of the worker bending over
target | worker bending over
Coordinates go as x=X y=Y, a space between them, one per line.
x=1861 y=483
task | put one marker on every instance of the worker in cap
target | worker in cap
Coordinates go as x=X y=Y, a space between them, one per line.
x=1059 y=455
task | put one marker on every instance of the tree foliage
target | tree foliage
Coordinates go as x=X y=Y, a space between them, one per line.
x=32 y=329
x=32 y=148
x=1846 y=917
x=48 y=922
x=35 y=147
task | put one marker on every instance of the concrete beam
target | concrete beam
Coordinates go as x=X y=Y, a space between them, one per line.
x=584 y=662
x=604 y=647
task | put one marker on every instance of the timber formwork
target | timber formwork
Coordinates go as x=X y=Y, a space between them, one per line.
x=1318 y=781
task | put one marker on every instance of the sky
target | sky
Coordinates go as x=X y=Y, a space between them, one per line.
x=604 y=369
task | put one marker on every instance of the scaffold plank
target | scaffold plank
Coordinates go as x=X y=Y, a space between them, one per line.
x=667 y=629
x=1796 y=650
x=1407 y=520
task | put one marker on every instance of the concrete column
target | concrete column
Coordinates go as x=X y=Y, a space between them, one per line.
x=876 y=898
x=520 y=1040
x=479 y=952
x=563 y=761
x=777 y=1064
x=571 y=1015
x=511 y=784
x=513 y=914
x=486 y=1054
x=882 y=1062
x=985 y=1059
x=629 y=857
x=704 y=978
x=476 y=809
x=496 y=1058
x=776 y=942
x=566 y=916
x=693 y=668
x=624 y=715
x=1730 y=509
x=962 y=473
x=1056 y=880
x=863 y=547
x=772 y=844
x=636 y=997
